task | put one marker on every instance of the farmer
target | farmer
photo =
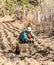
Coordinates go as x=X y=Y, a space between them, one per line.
x=27 y=36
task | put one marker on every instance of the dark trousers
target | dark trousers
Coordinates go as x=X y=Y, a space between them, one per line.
x=21 y=41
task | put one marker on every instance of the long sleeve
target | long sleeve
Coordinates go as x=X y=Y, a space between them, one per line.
x=25 y=36
x=33 y=35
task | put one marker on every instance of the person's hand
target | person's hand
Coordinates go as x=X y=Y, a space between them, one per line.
x=31 y=39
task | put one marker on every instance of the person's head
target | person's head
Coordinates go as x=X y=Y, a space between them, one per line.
x=29 y=30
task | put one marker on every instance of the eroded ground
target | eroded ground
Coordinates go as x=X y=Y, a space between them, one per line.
x=41 y=54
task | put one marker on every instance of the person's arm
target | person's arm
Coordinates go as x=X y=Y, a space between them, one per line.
x=25 y=37
x=33 y=35
x=35 y=38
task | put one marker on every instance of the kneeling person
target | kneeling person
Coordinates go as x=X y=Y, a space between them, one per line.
x=27 y=36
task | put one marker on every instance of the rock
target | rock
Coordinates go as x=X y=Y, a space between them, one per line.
x=8 y=63
x=24 y=49
x=6 y=18
x=47 y=63
x=34 y=62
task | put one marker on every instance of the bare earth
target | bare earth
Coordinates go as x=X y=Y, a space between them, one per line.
x=41 y=54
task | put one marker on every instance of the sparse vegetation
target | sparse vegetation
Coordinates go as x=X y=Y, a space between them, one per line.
x=8 y=7
x=16 y=15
